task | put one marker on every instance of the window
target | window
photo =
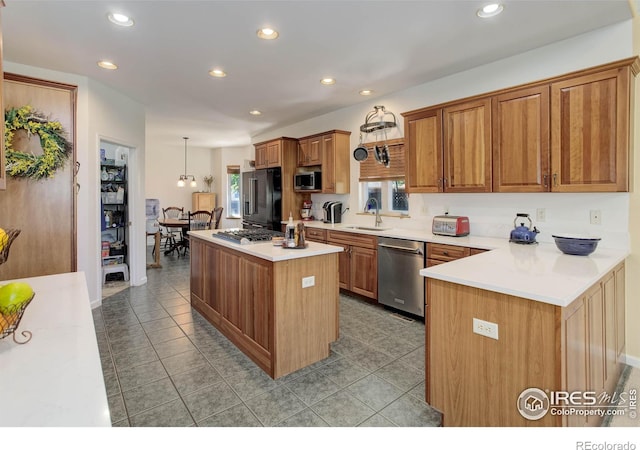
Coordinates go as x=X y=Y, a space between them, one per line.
x=390 y=195
x=233 y=191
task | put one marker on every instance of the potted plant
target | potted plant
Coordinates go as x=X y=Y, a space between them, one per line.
x=208 y=180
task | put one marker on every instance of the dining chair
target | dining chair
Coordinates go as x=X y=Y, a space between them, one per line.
x=198 y=220
x=217 y=215
x=169 y=235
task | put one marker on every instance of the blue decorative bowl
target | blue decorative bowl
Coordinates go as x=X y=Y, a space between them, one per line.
x=576 y=245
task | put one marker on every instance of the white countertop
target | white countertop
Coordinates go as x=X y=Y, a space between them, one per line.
x=56 y=378
x=267 y=250
x=537 y=272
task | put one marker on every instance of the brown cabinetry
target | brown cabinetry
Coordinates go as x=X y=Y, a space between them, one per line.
x=449 y=148
x=590 y=132
x=329 y=153
x=540 y=345
x=3 y=176
x=358 y=263
x=315 y=235
x=261 y=306
x=269 y=154
x=203 y=201
x=566 y=134
x=467 y=146
x=521 y=140
x=310 y=151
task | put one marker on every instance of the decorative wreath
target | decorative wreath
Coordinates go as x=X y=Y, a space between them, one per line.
x=56 y=148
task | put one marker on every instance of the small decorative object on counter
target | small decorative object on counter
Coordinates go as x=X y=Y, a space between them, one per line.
x=300 y=241
x=523 y=234
x=6 y=239
x=576 y=245
x=290 y=233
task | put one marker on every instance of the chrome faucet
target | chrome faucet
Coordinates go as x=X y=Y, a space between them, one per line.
x=366 y=208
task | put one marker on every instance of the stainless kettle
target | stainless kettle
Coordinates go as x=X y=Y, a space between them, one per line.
x=523 y=234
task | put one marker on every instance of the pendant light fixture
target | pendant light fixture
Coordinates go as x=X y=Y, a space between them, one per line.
x=184 y=177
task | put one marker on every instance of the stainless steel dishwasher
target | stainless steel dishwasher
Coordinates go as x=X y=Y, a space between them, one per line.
x=399 y=283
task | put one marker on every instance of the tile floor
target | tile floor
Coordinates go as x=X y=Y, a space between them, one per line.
x=165 y=365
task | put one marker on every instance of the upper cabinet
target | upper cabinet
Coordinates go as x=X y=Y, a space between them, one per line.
x=3 y=176
x=329 y=153
x=521 y=140
x=449 y=149
x=310 y=151
x=566 y=134
x=467 y=146
x=269 y=154
x=590 y=132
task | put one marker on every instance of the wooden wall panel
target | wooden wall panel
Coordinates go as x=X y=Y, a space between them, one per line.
x=44 y=210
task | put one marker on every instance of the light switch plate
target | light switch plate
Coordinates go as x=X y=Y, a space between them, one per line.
x=484 y=328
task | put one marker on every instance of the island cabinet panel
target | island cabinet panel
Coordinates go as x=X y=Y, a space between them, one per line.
x=620 y=310
x=575 y=345
x=467 y=146
x=476 y=380
x=590 y=132
x=262 y=308
x=521 y=140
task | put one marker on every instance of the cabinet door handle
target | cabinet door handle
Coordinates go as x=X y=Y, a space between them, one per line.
x=555 y=179
x=544 y=180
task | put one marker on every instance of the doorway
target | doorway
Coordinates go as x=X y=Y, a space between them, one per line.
x=115 y=217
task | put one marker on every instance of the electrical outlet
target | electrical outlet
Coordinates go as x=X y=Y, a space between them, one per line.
x=484 y=328
x=424 y=209
x=308 y=281
x=541 y=215
x=595 y=217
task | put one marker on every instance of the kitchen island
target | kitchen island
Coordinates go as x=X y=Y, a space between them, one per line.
x=279 y=306
x=549 y=321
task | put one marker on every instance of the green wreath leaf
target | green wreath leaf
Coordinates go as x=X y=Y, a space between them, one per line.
x=56 y=149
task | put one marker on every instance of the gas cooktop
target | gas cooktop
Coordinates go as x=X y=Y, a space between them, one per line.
x=247 y=236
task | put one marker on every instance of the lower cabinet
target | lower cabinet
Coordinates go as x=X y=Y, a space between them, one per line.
x=358 y=263
x=475 y=381
x=262 y=307
x=591 y=326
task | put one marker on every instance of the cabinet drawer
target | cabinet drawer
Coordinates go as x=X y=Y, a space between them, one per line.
x=446 y=252
x=434 y=262
x=316 y=234
x=476 y=251
x=357 y=239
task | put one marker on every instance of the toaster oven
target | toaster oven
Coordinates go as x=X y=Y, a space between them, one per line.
x=450 y=225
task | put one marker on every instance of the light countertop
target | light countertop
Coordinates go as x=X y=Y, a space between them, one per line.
x=266 y=250
x=538 y=272
x=55 y=379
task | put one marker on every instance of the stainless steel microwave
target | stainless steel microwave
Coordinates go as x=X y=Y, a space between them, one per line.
x=308 y=181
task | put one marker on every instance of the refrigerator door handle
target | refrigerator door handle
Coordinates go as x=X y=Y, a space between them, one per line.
x=253 y=194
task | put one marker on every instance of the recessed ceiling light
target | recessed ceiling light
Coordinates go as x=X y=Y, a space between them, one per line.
x=328 y=81
x=267 y=33
x=490 y=10
x=217 y=73
x=255 y=112
x=366 y=92
x=120 y=19
x=107 y=65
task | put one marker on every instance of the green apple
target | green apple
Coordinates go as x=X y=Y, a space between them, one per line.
x=13 y=295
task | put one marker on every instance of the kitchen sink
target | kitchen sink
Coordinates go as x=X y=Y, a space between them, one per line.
x=359 y=227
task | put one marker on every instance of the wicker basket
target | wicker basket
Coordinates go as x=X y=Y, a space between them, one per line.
x=10 y=320
x=5 y=245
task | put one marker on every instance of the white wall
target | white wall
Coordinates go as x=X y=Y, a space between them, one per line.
x=100 y=112
x=490 y=214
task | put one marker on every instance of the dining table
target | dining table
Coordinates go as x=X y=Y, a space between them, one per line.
x=176 y=223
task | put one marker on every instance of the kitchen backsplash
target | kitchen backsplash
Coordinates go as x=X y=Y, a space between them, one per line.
x=492 y=215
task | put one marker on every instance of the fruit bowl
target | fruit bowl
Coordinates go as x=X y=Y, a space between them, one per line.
x=6 y=239
x=576 y=245
x=10 y=320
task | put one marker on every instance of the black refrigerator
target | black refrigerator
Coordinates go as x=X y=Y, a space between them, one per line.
x=262 y=199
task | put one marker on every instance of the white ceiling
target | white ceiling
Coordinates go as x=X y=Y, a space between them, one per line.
x=381 y=45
